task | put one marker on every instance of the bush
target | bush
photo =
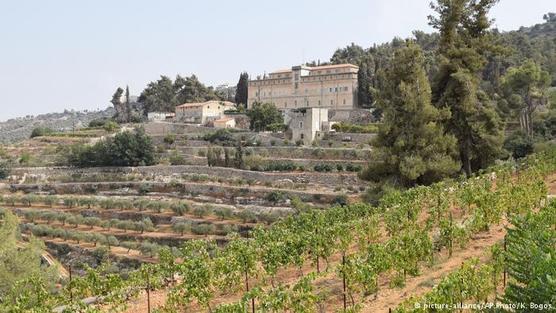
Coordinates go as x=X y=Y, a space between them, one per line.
x=222 y=136
x=323 y=168
x=110 y=126
x=4 y=169
x=247 y=216
x=180 y=208
x=99 y=122
x=181 y=227
x=354 y=128
x=519 y=144
x=176 y=159
x=169 y=139
x=353 y=168
x=275 y=197
x=341 y=200
x=41 y=131
x=125 y=149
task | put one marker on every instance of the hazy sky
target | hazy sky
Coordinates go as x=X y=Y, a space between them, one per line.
x=72 y=54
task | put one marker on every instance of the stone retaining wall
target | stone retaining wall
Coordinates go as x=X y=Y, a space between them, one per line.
x=311 y=178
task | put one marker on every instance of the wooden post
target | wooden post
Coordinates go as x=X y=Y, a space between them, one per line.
x=70 y=285
x=148 y=293
x=344 y=281
x=505 y=249
x=247 y=290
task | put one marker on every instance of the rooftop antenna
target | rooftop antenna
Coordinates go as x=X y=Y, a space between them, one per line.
x=303 y=56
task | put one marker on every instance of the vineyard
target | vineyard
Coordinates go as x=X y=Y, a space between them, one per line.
x=345 y=258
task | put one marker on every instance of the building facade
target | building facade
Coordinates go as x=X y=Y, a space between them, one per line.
x=306 y=124
x=328 y=86
x=225 y=122
x=202 y=112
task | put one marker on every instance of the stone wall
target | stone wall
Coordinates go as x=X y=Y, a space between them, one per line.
x=311 y=178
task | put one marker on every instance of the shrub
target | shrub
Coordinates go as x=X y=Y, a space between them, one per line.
x=176 y=159
x=41 y=131
x=519 y=144
x=169 y=139
x=355 y=128
x=203 y=229
x=180 y=208
x=222 y=136
x=99 y=122
x=223 y=213
x=247 y=216
x=341 y=200
x=110 y=126
x=144 y=189
x=181 y=227
x=4 y=169
x=201 y=212
x=124 y=149
x=275 y=196
x=323 y=168
x=339 y=167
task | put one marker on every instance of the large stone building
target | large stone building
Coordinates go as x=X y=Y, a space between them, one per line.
x=328 y=86
x=202 y=112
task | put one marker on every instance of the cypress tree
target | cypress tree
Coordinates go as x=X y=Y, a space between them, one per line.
x=241 y=89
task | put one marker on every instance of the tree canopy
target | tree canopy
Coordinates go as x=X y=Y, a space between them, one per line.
x=265 y=116
x=127 y=148
x=411 y=146
x=164 y=94
x=241 y=89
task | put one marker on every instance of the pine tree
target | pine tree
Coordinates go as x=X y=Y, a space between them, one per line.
x=411 y=145
x=465 y=44
x=528 y=85
x=241 y=89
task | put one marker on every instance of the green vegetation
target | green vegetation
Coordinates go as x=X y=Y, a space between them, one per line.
x=164 y=94
x=411 y=145
x=41 y=131
x=128 y=148
x=241 y=90
x=345 y=127
x=5 y=168
x=265 y=117
x=19 y=262
x=316 y=235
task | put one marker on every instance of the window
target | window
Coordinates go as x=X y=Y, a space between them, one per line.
x=301 y=125
x=302 y=136
x=330 y=89
x=295 y=103
x=331 y=102
x=344 y=101
x=319 y=102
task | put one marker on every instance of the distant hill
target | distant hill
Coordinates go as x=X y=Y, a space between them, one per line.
x=17 y=129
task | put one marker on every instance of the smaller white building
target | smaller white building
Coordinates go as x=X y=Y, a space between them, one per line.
x=226 y=122
x=306 y=124
x=202 y=112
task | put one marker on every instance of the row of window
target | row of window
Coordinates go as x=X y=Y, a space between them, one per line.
x=304 y=79
x=322 y=90
x=307 y=103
